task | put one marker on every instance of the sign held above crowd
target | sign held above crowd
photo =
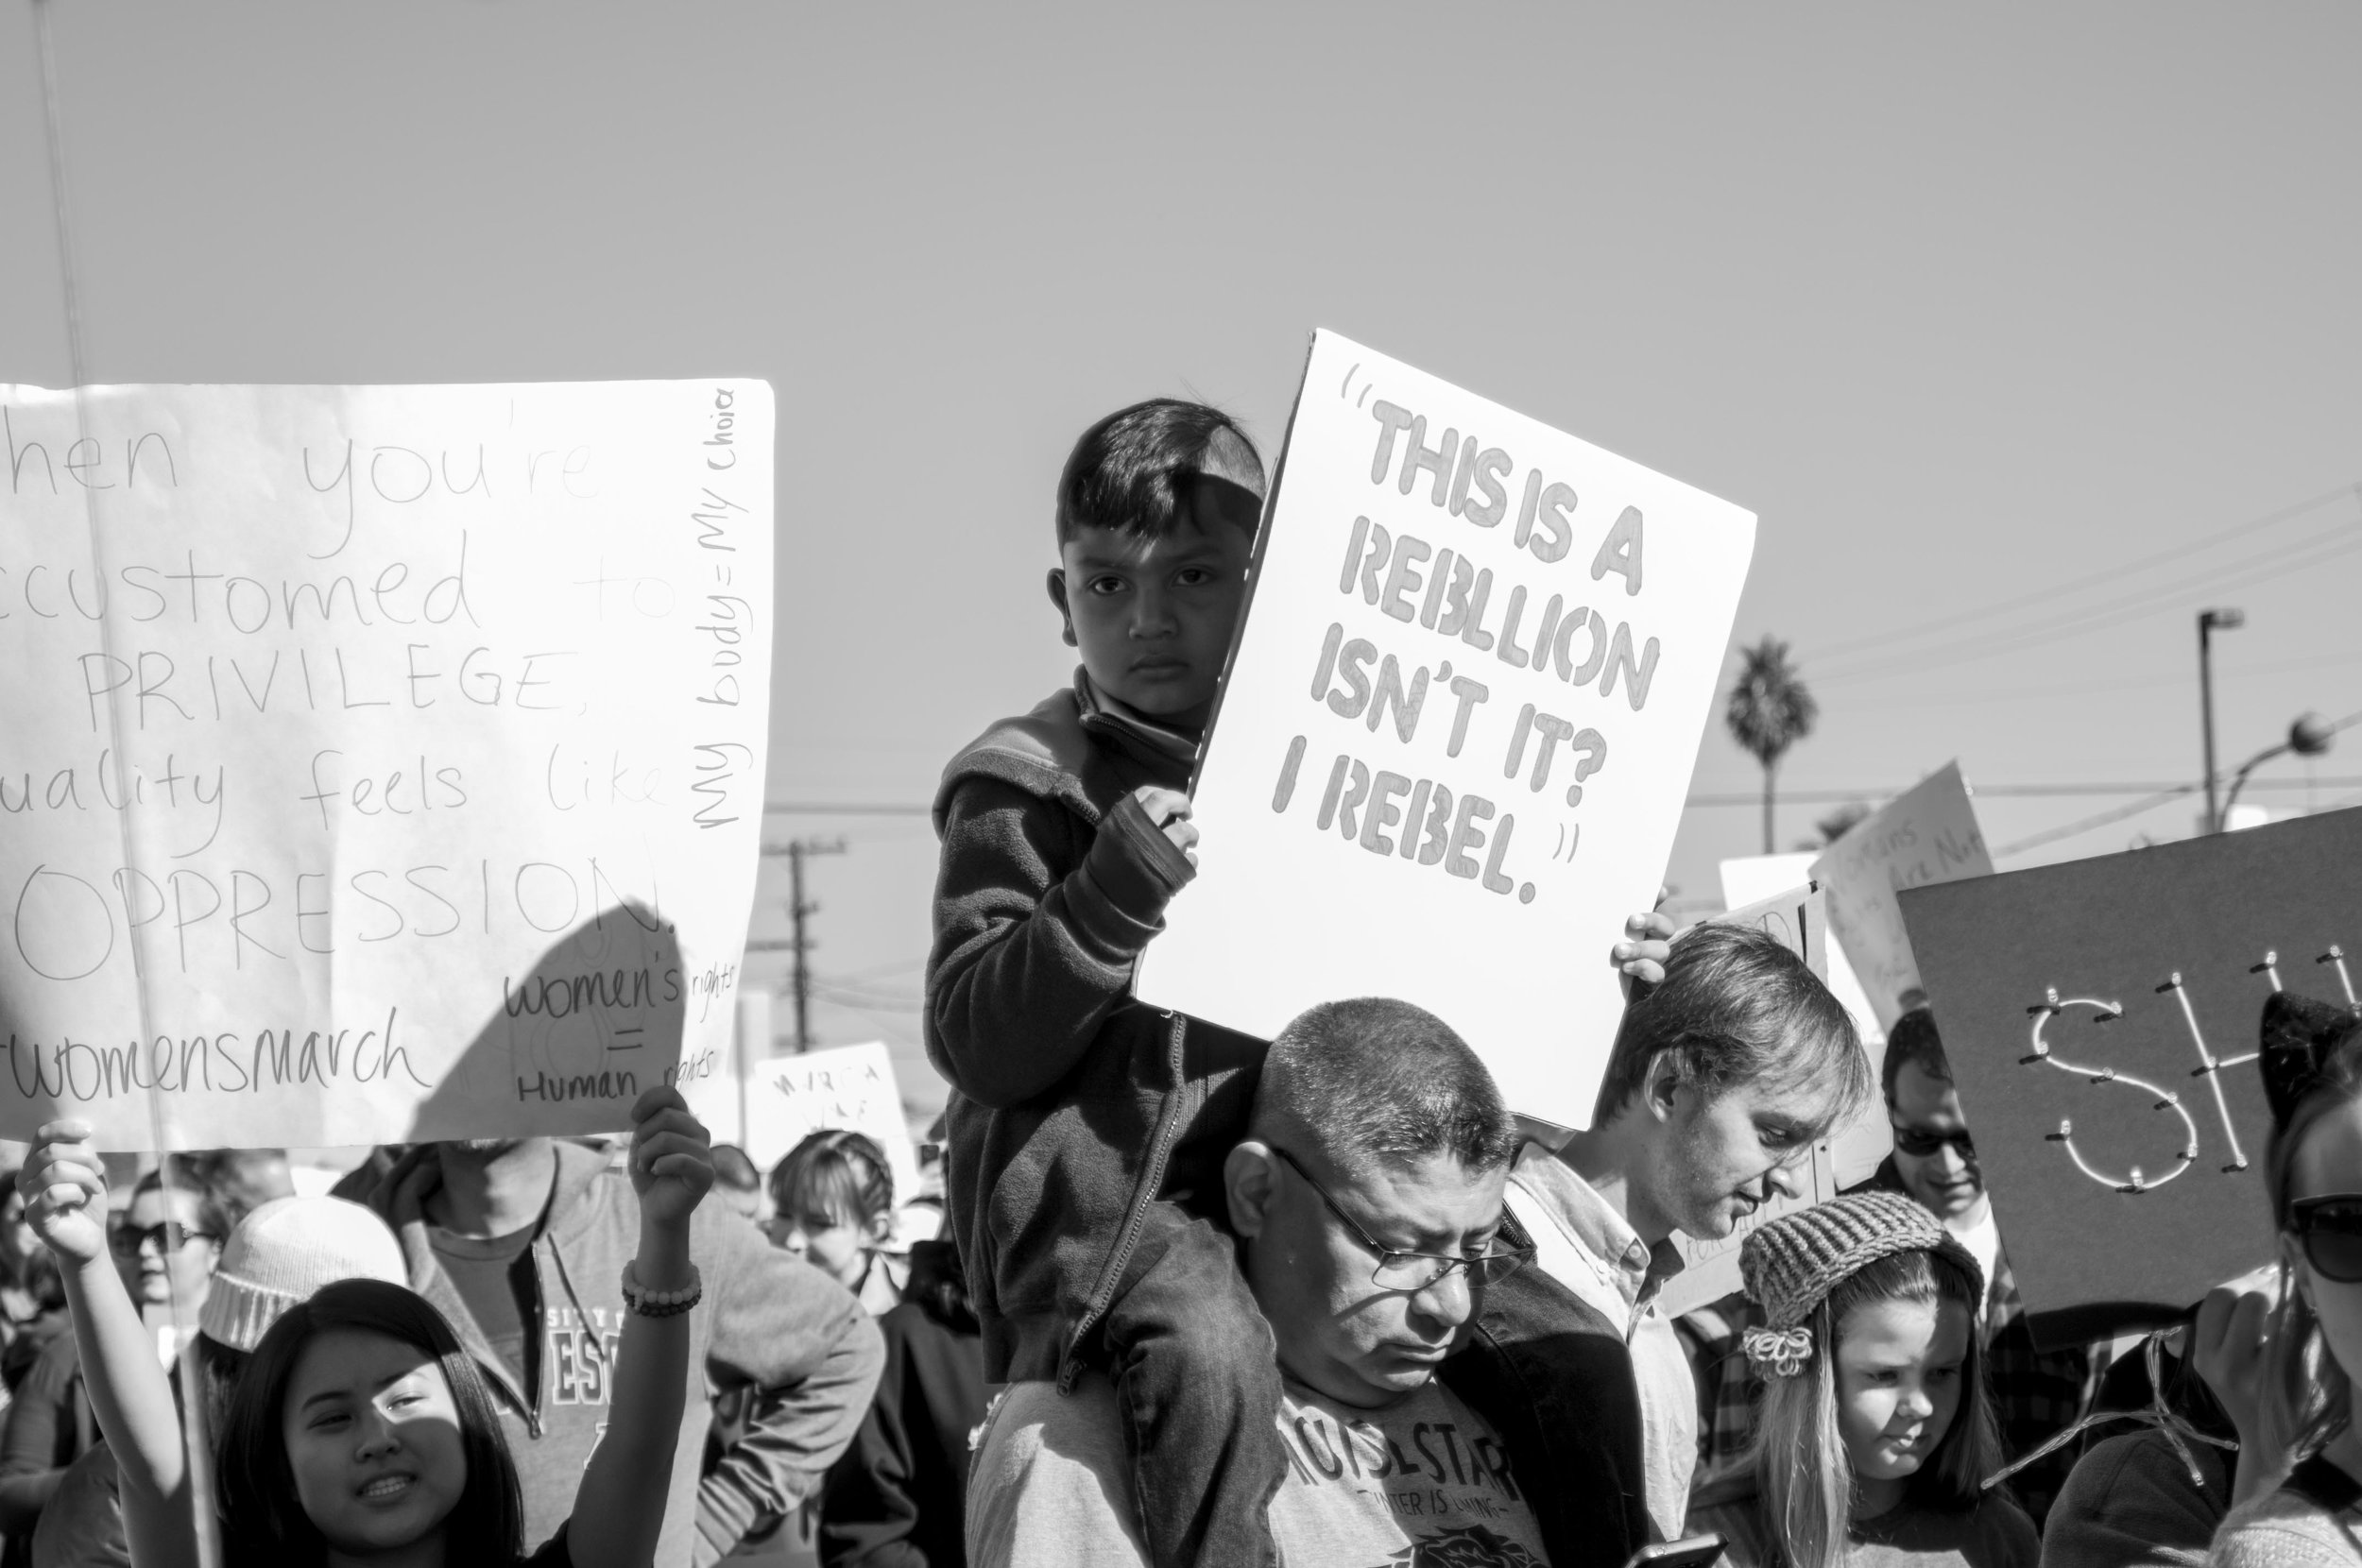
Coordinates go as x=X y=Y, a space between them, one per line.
x=2100 y=1017
x=1457 y=726
x=383 y=764
x=1925 y=835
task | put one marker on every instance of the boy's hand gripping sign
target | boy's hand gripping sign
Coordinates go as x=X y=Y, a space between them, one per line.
x=377 y=764
x=1457 y=726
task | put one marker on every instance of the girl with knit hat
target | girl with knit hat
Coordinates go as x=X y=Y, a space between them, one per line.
x=1876 y=1431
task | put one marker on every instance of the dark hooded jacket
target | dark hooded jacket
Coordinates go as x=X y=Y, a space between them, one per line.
x=1073 y=1105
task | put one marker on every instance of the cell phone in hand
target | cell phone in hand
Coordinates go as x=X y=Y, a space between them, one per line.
x=1690 y=1551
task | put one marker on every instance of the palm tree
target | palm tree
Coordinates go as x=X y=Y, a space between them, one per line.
x=1769 y=711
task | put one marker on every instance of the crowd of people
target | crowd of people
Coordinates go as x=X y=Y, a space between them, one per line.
x=1324 y=1301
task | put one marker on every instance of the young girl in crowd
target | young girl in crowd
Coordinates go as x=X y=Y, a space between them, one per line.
x=1877 y=1430
x=2312 y=1069
x=361 y=1432
x=833 y=1198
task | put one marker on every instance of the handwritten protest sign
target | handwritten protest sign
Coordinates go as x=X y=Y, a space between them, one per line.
x=2102 y=1020
x=1457 y=729
x=789 y=1098
x=1925 y=835
x=379 y=763
x=1857 y=1146
x=1797 y=918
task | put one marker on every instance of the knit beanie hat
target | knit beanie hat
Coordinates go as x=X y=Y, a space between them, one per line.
x=283 y=1252
x=1790 y=1265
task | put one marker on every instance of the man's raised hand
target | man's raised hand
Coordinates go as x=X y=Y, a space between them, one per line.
x=64 y=1187
x=1648 y=944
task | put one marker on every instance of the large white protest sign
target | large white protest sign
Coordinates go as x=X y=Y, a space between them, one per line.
x=1928 y=834
x=789 y=1098
x=1457 y=729
x=379 y=763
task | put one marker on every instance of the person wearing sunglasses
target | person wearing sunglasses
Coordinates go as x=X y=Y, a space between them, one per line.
x=165 y=1247
x=1368 y=1200
x=2036 y=1392
x=2302 y=1426
x=1935 y=1159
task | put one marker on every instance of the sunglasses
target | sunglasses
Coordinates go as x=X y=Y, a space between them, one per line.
x=1400 y=1271
x=127 y=1240
x=2329 y=1231
x=1920 y=1143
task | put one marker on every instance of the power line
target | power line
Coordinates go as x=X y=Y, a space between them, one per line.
x=2085 y=825
x=2071 y=689
x=2324 y=547
x=2113 y=573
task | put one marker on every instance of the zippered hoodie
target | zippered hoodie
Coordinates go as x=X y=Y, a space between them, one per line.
x=1073 y=1106
x=768 y=1320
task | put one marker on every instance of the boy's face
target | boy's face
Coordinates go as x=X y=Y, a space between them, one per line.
x=1153 y=616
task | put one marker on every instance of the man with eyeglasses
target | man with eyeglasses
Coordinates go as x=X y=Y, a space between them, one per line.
x=1367 y=1196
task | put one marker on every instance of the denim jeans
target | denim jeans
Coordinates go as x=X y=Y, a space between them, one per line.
x=1197 y=1378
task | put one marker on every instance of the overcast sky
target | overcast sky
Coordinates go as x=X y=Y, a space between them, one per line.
x=1986 y=312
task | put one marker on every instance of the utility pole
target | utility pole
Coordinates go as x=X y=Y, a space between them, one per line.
x=801 y=909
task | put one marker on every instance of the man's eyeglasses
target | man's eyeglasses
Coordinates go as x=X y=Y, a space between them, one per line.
x=1920 y=1143
x=1400 y=1271
x=127 y=1239
x=2329 y=1231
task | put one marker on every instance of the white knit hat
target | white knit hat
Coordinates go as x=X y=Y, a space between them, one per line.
x=283 y=1252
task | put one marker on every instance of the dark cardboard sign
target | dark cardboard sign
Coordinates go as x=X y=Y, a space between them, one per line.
x=2100 y=1017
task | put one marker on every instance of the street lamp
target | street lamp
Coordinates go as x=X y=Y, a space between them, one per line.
x=2209 y=623
x=2309 y=736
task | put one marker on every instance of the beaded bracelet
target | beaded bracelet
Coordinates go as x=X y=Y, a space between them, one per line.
x=661 y=1303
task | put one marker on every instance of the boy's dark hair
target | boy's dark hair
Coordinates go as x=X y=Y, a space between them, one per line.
x=1736 y=1006
x=262 y=1519
x=1376 y=1080
x=735 y=1170
x=1132 y=471
x=1913 y=1040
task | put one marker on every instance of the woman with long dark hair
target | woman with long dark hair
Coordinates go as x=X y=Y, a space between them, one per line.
x=361 y=1433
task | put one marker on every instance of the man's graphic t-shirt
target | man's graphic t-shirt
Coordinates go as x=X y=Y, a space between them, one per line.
x=1422 y=1484
x=1425 y=1482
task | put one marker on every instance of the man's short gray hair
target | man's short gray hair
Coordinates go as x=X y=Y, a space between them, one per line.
x=1376 y=1081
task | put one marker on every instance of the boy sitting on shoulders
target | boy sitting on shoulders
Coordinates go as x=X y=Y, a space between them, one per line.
x=1083 y=1185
